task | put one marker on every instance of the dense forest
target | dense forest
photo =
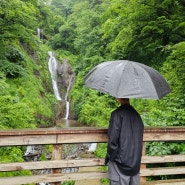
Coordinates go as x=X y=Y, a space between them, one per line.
x=88 y=32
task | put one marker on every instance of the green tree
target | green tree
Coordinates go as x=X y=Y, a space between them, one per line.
x=161 y=27
x=17 y=19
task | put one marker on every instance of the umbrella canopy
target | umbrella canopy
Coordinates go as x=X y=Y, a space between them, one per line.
x=127 y=79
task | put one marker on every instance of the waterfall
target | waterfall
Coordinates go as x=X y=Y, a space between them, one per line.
x=66 y=98
x=67 y=110
x=65 y=80
x=92 y=147
x=48 y=2
x=52 y=64
x=29 y=150
x=40 y=33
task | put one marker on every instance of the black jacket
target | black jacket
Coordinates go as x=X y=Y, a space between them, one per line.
x=125 y=136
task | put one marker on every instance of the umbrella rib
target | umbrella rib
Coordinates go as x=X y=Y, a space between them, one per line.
x=152 y=81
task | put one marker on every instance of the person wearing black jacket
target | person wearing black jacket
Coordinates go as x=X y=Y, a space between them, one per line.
x=124 y=150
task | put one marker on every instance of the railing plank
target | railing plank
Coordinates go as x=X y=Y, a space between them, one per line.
x=163 y=171
x=52 y=131
x=163 y=159
x=164 y=133
x=39 y=165
x=27 y=140
x=176 y=136
x=36 y=165
x=82 y=138
x=61 y=136
x=165 y=182
x=80 y=176
x=80 y=135
x=51 y=178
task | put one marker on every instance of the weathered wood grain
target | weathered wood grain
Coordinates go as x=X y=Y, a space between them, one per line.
x=36 y=165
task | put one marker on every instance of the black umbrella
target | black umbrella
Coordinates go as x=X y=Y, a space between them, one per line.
x=127 y=79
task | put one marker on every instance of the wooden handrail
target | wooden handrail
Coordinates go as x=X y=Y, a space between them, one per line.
x=81 y=135
x=82 y=130
x=59 y=136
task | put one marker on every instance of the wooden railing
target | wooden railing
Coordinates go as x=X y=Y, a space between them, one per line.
x=57 y=137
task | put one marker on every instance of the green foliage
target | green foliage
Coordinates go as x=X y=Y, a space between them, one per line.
x=18 y=21
x=12 y=62
x=13 y=55
x=99 y=113
x=131 y=34
x=64 y=39
x=46 y=151
x=105 y=181
x=10 y=69
x=170 y=110
x=15 y=157
x=162 y=28
x=157 y=149
x=68 y=183
x=46 y=20
x=12 y=154
x=62 y=7
x=27 y=99
x=101 y=150
x=4 y=86
x=15 y=114
x=95 y=109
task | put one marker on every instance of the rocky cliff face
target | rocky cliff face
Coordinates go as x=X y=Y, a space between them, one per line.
x=65 y=78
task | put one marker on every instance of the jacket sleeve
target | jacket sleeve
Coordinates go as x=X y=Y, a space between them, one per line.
x=113 y=136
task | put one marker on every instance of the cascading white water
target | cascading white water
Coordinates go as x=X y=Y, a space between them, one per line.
x=40 y=33
x=66 y=98
x=40 y=2
x=67 y=110
x=29 y=150
x=92 y=147
x=52 y=65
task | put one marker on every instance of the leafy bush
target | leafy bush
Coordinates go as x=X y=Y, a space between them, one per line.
x=68 y=183
x=13 y=55
x=15 y=114
x=11 y=70
x=4 y=86
x=12 y=154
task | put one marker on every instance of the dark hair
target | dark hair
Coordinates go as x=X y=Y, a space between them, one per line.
x=127 y=99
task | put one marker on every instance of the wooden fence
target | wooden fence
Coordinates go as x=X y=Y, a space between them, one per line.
x=59 y=136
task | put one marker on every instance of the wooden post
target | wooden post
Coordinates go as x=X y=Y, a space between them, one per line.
x=143 y=179
x=56 y=155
